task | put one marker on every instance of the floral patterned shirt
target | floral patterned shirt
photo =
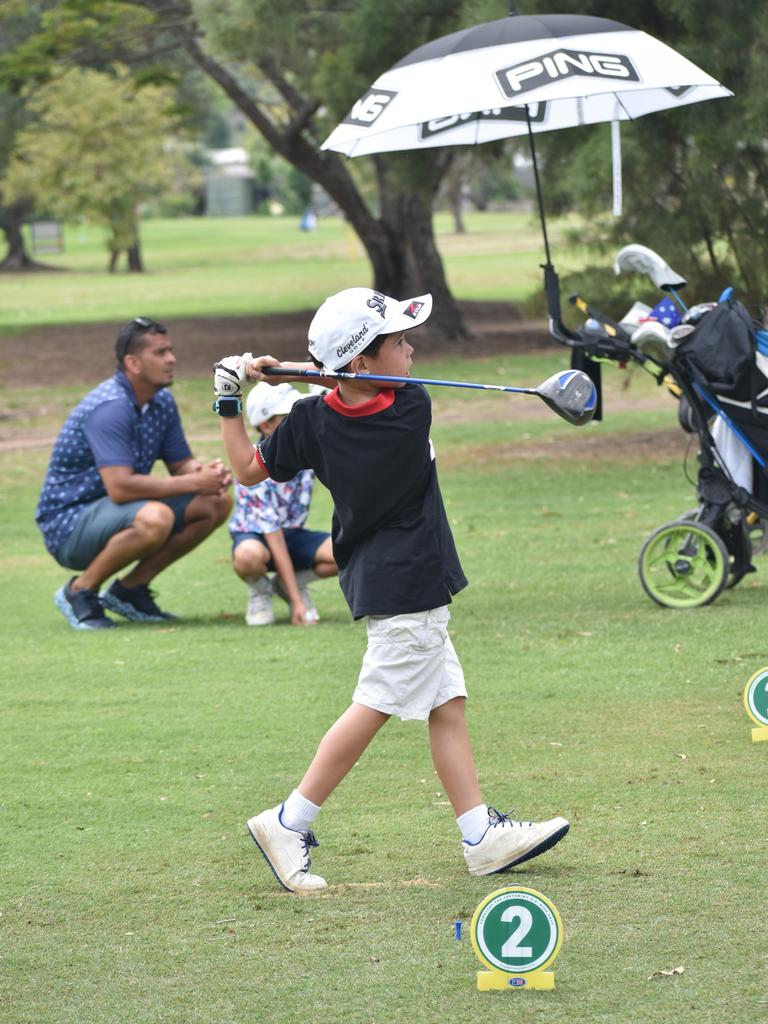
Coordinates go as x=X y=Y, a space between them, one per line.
x=271 y=506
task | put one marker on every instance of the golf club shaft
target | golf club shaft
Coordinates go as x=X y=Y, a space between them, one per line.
x=279 y=371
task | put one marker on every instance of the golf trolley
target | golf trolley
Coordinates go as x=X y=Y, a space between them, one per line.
x=711 y=362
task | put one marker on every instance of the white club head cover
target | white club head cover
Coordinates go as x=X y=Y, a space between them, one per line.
x=645 y=261
x=653 y=338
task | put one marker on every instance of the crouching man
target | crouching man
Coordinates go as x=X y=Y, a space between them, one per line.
x=100 y=510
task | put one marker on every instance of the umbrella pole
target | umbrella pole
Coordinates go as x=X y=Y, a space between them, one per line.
x=539 y=198
x=579 y=361
x=551 y=282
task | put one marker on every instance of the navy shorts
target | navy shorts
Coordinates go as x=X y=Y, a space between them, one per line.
x=302 y=545
x=99 y=522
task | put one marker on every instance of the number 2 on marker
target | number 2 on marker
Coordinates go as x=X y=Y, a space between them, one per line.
x=510 y=949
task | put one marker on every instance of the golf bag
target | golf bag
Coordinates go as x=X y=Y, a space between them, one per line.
x=721 y=350
x=723 y=356
x=716 y=363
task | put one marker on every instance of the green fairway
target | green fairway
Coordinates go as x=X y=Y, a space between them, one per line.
x=130 y=760
x=201 y=266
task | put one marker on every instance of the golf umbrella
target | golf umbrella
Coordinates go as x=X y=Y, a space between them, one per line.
x=519 y=75
x=491 y=81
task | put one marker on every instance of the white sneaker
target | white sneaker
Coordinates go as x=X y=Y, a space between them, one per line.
x=507 y=842
x=286 y=851
x=303 y=577
x=259 y=611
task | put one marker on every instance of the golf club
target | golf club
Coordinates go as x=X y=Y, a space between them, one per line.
x=569 y=393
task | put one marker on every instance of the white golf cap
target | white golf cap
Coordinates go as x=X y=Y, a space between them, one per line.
x=348 y=321
x=266 y=400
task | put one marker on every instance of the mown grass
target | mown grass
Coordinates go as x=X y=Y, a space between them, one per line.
x=130 y=891
x=247 y=265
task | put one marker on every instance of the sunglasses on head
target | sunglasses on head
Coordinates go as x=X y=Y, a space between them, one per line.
x=132 y=330
x=146 y=323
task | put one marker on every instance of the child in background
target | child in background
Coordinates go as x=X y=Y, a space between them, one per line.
x=267 y=527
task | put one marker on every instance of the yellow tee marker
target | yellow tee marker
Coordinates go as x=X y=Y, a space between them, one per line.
x=516 y=933
x=756 y=704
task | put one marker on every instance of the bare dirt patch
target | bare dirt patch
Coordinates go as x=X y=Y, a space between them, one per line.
x=588 y=444
x=83 y=354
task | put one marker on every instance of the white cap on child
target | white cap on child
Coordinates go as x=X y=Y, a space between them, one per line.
x=266 y=400
x=347 y=323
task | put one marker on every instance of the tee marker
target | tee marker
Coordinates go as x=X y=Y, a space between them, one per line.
x=756 y=704
x=516 y=933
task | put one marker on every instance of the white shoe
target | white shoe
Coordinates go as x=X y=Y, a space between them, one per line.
x=259 y=611
x=286 y=851
x=507 y=842
x=303 y=577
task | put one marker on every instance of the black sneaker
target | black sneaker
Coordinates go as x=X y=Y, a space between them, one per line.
x=82 y=608
x=134 y=603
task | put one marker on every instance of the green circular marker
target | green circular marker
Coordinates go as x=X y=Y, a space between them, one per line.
x=756 y=697
x=516 y=930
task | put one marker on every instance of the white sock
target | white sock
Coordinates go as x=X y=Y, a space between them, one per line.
x=473 y=824
x=298 y=812
x=305 y=576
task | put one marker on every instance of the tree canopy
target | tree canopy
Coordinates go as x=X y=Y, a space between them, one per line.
x=271 y=62
x=97 y=145
x=695 y=179
x=18 y=23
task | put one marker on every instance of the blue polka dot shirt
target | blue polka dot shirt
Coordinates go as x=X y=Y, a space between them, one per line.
x=107 y=428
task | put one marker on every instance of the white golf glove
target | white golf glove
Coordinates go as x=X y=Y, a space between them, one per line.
x=229 y=375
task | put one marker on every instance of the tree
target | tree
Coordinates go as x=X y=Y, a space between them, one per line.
x=293 y=70
x=97 y=147
x=12 y=214
x=695 y=179
x=479 y=175
x=276 y=179
x=19 y=21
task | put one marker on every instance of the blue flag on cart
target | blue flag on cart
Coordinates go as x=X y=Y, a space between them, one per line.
x=666 y=312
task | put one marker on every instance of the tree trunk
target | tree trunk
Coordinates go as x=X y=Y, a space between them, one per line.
x=123 y=224
x=457 y=209
x=400 y=243
x=454 y=190
x=408 y=184
x=17 y=257
x=135 y=261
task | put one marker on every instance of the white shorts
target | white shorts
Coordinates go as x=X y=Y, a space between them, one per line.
x=410 y=666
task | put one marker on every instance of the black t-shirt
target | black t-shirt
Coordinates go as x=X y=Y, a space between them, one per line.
x=391 y=537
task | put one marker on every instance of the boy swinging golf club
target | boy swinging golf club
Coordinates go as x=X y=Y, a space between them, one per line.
x=368 y=443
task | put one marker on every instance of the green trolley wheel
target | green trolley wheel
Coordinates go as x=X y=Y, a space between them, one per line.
x=683 y=565
x=734 y=575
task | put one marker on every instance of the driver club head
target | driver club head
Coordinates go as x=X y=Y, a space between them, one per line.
x=571 y=394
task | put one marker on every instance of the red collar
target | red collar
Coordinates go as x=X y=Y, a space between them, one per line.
x=382 y=401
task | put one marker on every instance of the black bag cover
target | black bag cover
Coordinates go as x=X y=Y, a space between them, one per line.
x=581 y=361
x=722 y=348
